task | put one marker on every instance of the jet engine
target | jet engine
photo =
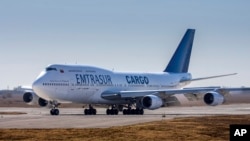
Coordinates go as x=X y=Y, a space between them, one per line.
x=42 y=102
x=151 y=102
x=32 y=99
x=213 y=98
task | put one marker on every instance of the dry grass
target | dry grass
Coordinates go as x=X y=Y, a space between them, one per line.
x=180 y=129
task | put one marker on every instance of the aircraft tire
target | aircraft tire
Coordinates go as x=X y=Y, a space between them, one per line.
x=93 y=111
x=85 y=111
x=108 y=112
x=54 y=112
x=125 y=111
x=116 y=111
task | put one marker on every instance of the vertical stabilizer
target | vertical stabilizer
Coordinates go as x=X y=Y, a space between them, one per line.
x=180 y=60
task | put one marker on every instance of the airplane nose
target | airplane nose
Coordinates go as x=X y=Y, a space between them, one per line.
x=36 y=86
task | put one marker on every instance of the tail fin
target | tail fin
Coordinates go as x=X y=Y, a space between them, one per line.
x=179 y=62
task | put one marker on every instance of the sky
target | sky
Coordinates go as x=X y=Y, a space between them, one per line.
x=124 y=35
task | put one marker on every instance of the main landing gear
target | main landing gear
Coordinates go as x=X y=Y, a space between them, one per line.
x=129 y=111
x=137 y=111
x=54 y=110
x=112 y=111
x=90 y=111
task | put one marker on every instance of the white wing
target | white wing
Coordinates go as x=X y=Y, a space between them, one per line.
x=117 y=95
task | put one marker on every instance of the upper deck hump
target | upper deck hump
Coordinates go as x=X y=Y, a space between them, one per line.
x=78 y=68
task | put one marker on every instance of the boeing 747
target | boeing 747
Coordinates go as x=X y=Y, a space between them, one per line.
x=127 y=92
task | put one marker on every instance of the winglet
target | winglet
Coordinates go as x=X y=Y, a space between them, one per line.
x=179 y=62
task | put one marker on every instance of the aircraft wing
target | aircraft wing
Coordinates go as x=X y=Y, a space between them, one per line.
x=117 y=95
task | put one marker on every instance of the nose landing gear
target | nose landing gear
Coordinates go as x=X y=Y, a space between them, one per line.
x=54 y=110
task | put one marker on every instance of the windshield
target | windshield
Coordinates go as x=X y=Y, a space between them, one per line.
x=51 y=69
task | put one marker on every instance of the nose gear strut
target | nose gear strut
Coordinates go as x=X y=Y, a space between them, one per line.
x=54 y=110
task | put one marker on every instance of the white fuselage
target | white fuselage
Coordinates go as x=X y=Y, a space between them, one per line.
x=85 y=84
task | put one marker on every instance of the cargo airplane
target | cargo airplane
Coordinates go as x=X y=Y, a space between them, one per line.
x=127 y=92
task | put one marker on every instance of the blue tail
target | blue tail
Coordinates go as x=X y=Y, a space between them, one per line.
x=180 y=60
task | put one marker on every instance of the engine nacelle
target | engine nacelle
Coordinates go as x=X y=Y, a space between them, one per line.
x=42 y=102
x=213 y=98
x=151 y=102
x=32 y=99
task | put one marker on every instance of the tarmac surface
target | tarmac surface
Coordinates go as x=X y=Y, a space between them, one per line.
x=74 y=118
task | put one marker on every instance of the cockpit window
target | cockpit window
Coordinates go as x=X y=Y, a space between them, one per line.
x=51 y=69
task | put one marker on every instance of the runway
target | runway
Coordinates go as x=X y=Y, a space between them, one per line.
x=74 y=118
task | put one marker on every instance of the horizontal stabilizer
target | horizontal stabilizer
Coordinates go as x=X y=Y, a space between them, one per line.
x=210 y=77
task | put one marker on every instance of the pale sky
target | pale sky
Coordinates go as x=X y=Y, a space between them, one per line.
x=128 y=35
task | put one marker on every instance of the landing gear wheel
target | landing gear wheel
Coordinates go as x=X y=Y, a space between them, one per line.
x=108 y=112
x=112 y=111
x=93 y=111
x=133 y=112
x=90 y=111
x=54 y=112
x=125 y=112
x=141 y=112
